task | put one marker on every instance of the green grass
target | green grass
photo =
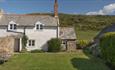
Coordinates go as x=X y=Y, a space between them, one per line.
x=53 y=61
x=86 y=35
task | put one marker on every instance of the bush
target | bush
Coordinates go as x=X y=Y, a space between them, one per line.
x=24 y=42
x=107 y=47
x=82 y=44
x=37 y=51
x=54 y=45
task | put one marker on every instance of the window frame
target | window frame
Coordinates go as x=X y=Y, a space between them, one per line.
x=12 y=26
x=31 y=42
x=39 y=26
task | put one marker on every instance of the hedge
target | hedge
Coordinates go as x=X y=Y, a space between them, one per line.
x=82 y=44
x=54 y=45
x=107 y=47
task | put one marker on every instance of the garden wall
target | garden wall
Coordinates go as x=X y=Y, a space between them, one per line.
x=7 y=46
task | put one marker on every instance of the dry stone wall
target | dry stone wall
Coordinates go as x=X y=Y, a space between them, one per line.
x=6 y=46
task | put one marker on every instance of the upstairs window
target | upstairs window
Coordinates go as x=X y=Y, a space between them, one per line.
x=12 y=26
x=39 y=26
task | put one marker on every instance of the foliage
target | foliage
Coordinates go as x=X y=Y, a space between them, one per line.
x=82 y=43
x=54 y=45
x=86 y=22
x=37 y=51
x=107 y=46
x=24 y=42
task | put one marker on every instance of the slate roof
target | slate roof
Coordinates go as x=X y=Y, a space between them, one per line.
x=67 y=33
x=28 y=20
x=110 y=28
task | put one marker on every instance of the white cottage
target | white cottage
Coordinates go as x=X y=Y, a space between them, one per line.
x=38 y=28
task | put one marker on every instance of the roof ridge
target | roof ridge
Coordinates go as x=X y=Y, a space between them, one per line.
x=27 y=14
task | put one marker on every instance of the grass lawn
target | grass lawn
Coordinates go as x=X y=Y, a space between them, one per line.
x=53 y=61
x=86 y=35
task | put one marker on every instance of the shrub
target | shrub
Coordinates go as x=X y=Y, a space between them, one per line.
x=107 y=47
x=82 y=44
x=37 y=51
x=54 y=45
x=24 y=42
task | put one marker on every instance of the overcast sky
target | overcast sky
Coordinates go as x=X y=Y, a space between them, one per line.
x=88 y=7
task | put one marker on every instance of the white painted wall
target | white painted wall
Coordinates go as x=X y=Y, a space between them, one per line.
x=4 y=33
x=40 y=36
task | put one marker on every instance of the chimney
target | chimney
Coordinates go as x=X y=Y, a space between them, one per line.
x=56 y=8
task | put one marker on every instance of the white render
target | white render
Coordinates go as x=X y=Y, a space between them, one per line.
x=40 y=36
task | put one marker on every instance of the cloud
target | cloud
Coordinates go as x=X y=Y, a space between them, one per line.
x=108 y=9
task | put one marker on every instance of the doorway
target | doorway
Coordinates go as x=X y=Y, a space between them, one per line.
x=17 y=45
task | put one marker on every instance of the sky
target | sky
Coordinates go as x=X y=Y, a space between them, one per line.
x=86 y=7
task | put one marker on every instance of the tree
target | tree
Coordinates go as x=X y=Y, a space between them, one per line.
x=24 y=42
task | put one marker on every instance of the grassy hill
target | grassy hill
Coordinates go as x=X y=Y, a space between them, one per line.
x=83 y=22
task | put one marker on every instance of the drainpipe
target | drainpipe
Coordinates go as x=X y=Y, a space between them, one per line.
x=24 y=30
x=57 y=27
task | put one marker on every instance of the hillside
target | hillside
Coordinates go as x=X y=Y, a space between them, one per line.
x=83 y=22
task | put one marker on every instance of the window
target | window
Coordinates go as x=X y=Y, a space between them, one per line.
x=31 y=43
x=64 y=42
x=12 y=25
x=39 y=26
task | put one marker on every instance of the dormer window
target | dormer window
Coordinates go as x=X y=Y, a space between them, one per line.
x=39 y=26
x=12 y=25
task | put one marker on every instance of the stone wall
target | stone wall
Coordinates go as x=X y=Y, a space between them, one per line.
x=71 y=46
x=6 y=46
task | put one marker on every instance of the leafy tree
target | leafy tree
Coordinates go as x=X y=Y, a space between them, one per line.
x=107 y=47
x=24 y=42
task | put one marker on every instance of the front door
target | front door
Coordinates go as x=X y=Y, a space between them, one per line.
x=17 y=45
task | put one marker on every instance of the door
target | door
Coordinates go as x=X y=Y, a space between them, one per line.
x=17 y=45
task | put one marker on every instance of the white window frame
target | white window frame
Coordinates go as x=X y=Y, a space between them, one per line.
x=39 y=26
x=12 y=25
x=31 y=42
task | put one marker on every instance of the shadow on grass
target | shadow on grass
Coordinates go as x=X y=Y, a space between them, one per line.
x=81 y=64
x=90 y=63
